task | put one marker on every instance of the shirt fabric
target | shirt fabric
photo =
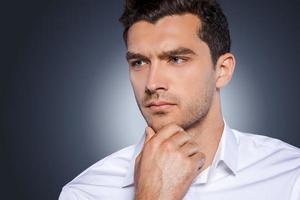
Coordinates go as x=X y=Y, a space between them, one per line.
x=246 y=166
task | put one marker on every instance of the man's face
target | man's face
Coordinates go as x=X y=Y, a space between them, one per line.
x=171 y=71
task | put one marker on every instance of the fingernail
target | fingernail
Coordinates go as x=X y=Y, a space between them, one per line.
x=202 y=161
x=180 y=129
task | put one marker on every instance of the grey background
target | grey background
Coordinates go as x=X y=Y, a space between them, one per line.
x=66 y=101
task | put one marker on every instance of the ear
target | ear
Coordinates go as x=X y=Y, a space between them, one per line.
x=224 y=69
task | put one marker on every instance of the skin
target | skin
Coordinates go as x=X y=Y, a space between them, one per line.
x=168 y=62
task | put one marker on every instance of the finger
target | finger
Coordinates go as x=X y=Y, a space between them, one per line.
x=149 y=134
x=199 y=159
x=189 y=149
x=167 y=131
x=136 y=167
x=180 y=138
x=137 y=161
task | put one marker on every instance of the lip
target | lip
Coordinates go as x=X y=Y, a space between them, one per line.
x=160 y=105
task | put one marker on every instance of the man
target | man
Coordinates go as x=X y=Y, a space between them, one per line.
x=179 y=59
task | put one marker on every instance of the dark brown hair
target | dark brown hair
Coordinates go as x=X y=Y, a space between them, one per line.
x=214 y=30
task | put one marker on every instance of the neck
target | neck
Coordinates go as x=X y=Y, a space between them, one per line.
x=208 y=132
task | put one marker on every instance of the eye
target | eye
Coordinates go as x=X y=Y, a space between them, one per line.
x=177 y=60
x=137 y=63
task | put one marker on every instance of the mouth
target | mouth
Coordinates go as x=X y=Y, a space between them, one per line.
x=159 y=106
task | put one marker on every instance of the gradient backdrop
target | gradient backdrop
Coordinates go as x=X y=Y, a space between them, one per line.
x=66 y=101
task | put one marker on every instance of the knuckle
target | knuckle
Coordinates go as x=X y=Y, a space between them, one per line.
x=195 y=147
x=201 y=155
x=190 y=163
x=191 y=146
x=168 y=145
x=150 y=147
x=192 y=143
x=189 y=138
x=152 y=144
x=181 y=155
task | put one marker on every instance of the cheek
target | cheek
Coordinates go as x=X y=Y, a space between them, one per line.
x=194 y=85
x=189 y=79
x=137 y=83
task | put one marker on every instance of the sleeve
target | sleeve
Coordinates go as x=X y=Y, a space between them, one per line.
x=296 y=190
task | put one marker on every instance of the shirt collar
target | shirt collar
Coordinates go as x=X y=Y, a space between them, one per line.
x=227 y=152
x=229 y=149
x=130 y=173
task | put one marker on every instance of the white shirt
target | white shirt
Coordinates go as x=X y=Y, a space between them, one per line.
x=246 y=166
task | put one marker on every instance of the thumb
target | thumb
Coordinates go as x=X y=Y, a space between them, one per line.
x=149 y=133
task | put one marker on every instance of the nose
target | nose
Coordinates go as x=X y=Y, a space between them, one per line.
x=156 y=79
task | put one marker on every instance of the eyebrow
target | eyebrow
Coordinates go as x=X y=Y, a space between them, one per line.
x=132 y=55
x=163 y=55
x=176 y=52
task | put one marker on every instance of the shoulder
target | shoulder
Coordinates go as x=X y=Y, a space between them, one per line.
x=265 y=142
x=266 y=151
x=107 y=172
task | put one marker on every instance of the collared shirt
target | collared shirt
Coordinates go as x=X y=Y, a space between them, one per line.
x=246 y=166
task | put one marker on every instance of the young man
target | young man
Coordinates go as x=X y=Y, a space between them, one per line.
x=179 y=59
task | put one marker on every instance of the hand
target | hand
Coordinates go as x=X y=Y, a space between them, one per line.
x=167 y=164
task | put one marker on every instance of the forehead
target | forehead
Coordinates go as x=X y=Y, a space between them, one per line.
x=167 y=33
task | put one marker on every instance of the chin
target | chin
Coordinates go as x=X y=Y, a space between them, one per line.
x=158 y=122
